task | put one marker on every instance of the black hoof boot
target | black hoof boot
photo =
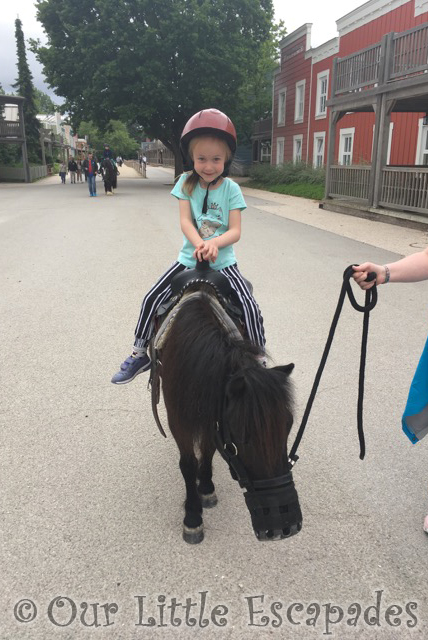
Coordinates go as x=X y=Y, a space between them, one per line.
x=208 y=500
x=193 y=536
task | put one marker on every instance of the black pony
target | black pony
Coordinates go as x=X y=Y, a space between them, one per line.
x=219 y=395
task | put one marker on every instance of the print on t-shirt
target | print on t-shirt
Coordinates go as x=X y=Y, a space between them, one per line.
x=210 y=221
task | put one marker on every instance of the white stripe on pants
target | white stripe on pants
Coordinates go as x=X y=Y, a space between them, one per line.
x=161 y=291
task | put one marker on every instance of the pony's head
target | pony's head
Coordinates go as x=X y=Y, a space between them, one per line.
x=257 y=418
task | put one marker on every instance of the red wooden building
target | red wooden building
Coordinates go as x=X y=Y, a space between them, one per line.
x=366 y=92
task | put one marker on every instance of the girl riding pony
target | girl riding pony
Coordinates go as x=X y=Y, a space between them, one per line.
x=210 y=206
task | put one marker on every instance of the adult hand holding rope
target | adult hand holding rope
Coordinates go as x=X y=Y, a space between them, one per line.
x=413 y=268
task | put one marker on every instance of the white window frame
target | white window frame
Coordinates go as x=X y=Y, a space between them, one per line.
x=320 y=105
x=297 y=139
x=282 y=96
x=343 y=134
x=299 y=104
x=265 y=151
x=280 y=143
x=318 y=135
x=421 y=151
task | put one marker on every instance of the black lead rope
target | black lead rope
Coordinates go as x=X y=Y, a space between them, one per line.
x=370 y=303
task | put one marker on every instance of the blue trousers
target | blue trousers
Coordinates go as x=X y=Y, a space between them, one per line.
x=91 y=184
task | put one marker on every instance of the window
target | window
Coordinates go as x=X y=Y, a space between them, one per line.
x=346 y=146
x=319 y=146
x=322 y=90
x=297 y=148
x=299 y=108
x=279 y=150
x=265 y=151
x=281 y=107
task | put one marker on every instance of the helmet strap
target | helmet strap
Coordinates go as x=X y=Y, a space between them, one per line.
x=205 y=205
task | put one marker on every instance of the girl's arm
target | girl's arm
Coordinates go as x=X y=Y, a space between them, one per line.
x=187 y=224
x=409 y=269
x=208 y=250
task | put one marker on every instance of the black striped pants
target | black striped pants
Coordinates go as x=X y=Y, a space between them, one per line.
x=161 y=290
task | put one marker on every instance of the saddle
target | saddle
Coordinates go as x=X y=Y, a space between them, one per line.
x=203 y=274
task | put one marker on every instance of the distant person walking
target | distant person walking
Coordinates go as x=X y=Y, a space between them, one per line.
x=79 y=170
x=84 y=171
x=72 y=167
x=62 y=172
x=91 y=169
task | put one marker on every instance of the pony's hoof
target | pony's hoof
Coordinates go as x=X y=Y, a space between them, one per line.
x=209 y=500
x=193 y=536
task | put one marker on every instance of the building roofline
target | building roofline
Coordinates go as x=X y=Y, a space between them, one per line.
x=325 y=50
x=304 y=30
x=6 y=99
x=366 y=13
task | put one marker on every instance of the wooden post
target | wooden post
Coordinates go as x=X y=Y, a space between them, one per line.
x=377 y=108
x=331 y=130
x=25 y=164
x=42 y=144
x=384 y=120
x=335 y=116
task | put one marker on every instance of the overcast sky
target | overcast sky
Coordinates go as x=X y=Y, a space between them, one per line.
x=322 y=15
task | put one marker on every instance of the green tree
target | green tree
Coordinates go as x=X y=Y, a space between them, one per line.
x=153 y=63
x=115 y=135
x=25 y=88
x=44 y=104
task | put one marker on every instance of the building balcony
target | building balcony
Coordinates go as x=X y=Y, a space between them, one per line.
x=397 y=56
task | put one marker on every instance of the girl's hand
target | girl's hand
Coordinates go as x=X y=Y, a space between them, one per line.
x=210 y=251
x=198 y=251
x=361 y=272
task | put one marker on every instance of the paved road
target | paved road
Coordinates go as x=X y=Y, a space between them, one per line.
x=91 y=495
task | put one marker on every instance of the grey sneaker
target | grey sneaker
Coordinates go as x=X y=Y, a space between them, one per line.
x=131 y=368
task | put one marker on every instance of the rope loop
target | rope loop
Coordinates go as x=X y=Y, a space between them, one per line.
x=370 y=303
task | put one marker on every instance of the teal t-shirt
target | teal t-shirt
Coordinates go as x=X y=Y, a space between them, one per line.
x=214 y=222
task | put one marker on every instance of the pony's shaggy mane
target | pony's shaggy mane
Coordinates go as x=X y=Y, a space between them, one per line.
x=203 y=365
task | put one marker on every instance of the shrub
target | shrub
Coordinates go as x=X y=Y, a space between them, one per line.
x=287 y=173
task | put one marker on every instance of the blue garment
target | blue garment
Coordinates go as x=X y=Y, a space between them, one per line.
x=415 y=416
x=91 y=184
x=214 y=222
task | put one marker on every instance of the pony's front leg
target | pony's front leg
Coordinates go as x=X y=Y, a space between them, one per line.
x=193 y=528
x=205 y=473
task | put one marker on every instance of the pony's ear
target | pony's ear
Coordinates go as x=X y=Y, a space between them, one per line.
x=237 y=386
x=285 y=368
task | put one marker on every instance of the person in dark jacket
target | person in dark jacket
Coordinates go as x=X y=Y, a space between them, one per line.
x=72 y=167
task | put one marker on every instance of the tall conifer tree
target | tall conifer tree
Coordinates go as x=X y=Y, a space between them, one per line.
x=25 y=88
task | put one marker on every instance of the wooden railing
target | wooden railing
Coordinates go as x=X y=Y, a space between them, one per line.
x=360 y=69
x=410 y=51
x=10 y=129
x=397 y=56
x=161 y=156
x=350 y=181
x=135 y=164
x=405 y=188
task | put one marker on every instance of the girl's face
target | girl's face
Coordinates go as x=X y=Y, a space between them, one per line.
x=209 y=156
